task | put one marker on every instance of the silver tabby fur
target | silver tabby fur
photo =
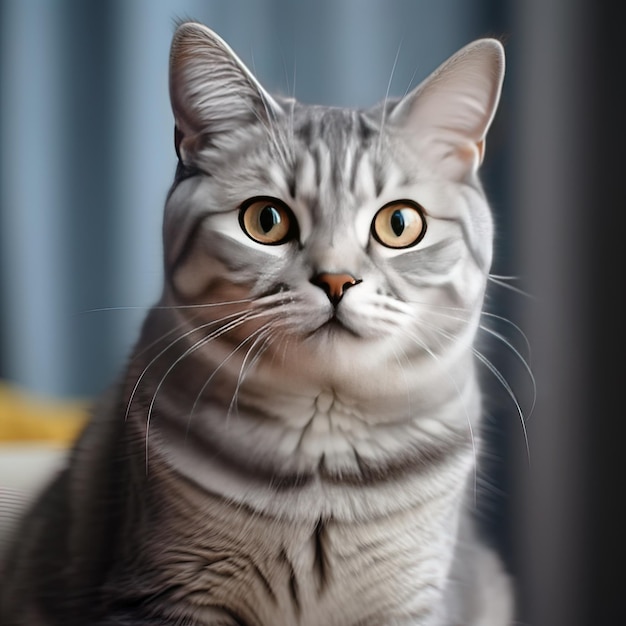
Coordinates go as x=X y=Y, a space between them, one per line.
x=275 y=455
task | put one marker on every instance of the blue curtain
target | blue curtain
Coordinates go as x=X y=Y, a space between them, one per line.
x=87 y=150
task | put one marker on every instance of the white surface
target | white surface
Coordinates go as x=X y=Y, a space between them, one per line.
x=28 y=466
x=25 y=469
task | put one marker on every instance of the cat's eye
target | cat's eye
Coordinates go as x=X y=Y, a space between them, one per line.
x=267 y=220
x=399 y=224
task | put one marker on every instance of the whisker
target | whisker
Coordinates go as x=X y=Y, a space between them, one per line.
x=285 y=70
x=261 y=333
x=499 y=377
x=193 y=348
x=500 y=281
x=501 y=318
x=291 y=89
x=410 y=83
x=291 y=126
x=164 y=308
x=158 y=340
x=503 y=276
x=283 y=341
x=273 y=132
x=384 y=112
x=169 y=346
x=112 y=308
x=210 y=378
x=295 y=65
x=522 y=360
x=505 y=320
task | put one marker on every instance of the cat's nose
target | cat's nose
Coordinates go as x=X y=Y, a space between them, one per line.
x=335 y=285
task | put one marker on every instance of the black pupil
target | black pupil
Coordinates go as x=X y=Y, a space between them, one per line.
x=397 y=223
x=268 y=218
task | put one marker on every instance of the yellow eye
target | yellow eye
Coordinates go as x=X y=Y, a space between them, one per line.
x=267 y=220
x=399 y=224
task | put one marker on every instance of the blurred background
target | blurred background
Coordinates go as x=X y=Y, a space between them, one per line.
x=87 y=158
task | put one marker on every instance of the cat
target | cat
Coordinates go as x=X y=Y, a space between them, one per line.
x=295 y=437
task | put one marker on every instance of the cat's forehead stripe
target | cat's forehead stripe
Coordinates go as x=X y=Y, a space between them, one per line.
x=339 y=149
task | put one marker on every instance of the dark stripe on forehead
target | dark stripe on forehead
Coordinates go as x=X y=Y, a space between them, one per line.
x=378 y=174
x=358 y=155
x=316 y=153
x=292 y=182
x=338 y=165
x=304 y=132
x=330 y=136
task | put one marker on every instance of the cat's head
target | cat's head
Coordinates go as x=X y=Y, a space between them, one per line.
x=328 y=227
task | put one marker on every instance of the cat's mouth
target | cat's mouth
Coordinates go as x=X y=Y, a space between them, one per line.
x=333 y=326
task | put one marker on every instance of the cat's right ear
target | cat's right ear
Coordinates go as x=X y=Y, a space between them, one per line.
x=212 y=92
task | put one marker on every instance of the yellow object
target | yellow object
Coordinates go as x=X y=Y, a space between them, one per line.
x=25 y=417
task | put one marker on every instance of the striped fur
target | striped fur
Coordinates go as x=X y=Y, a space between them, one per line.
x=277 y=454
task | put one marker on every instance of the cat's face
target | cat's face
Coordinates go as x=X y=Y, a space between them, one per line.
x=328 y=236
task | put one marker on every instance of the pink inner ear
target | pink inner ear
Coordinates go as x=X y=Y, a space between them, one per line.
x=462 y=158
x=480 y=145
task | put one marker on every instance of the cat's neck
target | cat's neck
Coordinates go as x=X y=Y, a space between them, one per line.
x=303 y=500
x=284 y=435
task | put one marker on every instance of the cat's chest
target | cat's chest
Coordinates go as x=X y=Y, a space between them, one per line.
x=327 y=426
x=267 y=571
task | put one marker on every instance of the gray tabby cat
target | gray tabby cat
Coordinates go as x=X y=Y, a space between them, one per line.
x=295 y=438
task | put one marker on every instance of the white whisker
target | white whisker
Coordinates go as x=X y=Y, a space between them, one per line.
x=499 y=377
x=522 y=360
x=386 y=100
x=213 y=374
x=525 y=361
x=501 y=318
x=193 y=348
x=170 y=345
x=282 y=147
x=164 y=308
x=500 y=281
x=159 y=355
x=261 y=335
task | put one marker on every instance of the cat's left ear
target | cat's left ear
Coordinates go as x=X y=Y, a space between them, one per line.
x=445 y=119
x=212 y=92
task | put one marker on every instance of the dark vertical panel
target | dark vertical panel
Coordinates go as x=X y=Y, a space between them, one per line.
x=602 y=212
x=563 y=217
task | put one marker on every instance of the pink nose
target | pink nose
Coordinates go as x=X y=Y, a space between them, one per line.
x=335 y=285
